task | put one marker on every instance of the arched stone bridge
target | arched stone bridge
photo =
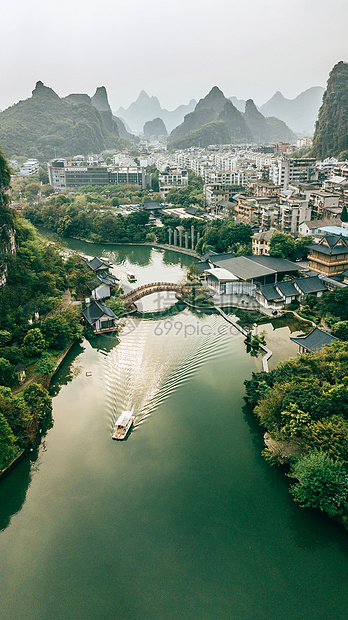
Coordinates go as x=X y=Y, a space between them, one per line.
x=153 y=287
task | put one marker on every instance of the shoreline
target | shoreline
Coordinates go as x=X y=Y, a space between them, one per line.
x=161 y=246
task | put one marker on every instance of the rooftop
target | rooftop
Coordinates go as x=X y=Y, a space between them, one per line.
x=249 y=267
x=315 y=340
x=95 y=311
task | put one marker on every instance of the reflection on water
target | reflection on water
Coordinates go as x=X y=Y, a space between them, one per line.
x=145 y=368
x=13 y=490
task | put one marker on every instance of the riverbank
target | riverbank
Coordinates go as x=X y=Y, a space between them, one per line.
x=161 y=246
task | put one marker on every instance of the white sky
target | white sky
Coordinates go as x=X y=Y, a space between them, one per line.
x=174 y=50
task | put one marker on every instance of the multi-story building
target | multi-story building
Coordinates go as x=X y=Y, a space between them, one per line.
x=325 y=204
x=171 y=178
x=31 y=166
x=330 y=256
x=65 y=174
x=261 y=242
x=293 y=170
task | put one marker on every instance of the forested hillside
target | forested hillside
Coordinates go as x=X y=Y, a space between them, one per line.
x=45 y=126
x=331 y=132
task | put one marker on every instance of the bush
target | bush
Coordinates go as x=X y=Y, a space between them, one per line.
x=322 y=483
x=294 y=305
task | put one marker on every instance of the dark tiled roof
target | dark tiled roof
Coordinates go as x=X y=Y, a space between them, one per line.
x=151 y=206
x=106 y=274
x=269 y=292
x=191 y=210
x=96 y=263
x=243 y=267
x=280 y=265
x=248 y=267
x=332 y=248
x=202 y=265
x=225 y=203
x=312 y=284
x=315 y=340
x=287 y=289
x=93 y=283
x=221 y=257
x=207 y=254
x=95 y=310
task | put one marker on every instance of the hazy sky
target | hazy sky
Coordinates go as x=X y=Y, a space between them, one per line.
x=174 y=50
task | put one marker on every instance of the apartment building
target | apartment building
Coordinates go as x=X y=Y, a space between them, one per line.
x=293 y=170
x=261 y=242
x=325 y=204
x=30 y=167
x=172 y=178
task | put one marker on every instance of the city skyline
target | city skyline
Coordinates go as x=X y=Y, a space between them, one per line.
x=175 y=52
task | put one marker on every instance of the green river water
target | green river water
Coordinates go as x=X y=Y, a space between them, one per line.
x=184 y=519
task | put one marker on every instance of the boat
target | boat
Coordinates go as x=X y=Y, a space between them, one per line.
x=123 y=424
x=131 y=277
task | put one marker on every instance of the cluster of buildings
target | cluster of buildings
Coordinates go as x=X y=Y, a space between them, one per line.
x=253 y=281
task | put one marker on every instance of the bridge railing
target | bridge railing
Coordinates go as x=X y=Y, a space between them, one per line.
x=153 y=285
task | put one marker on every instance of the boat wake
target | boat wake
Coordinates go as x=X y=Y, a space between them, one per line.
x=156 y=358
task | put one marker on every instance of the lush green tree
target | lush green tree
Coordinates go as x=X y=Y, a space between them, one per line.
x=43 y=176
x=340 y=330
x=38 y=400
x=116 y=304
x=5 y=336
x=335 y=303
x=8 y=448
x=282 y=245
x=344 y=214
x=45 y=367
x=329 y=435
x=322 y=483
x=7 y=372
x=302 y=242
x=32 y=189
x=55 y=332
x=33 y=343
x=16 y=412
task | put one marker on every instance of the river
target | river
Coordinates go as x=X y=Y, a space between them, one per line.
x=184 y=519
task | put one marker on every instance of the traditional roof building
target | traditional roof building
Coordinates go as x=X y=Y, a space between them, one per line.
x=277 y=296
x=101 y=318
x=330 y=255
x=314 y=341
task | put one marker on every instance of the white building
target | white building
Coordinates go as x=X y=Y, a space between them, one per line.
x=31 y=166
x=171 y=178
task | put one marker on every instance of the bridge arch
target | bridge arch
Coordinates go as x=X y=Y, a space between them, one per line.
x=152 y=287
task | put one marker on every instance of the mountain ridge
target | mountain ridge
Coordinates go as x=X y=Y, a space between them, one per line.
x=45 y=125
x=146 y=108
x=237 y=127
x=299 y=113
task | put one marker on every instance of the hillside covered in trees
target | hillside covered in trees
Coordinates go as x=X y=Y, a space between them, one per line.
x=216 y=120
x=331 y=131
x=46 y=125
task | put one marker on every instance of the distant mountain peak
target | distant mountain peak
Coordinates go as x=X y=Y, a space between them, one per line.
x=214 y=99
x=299 y=113
x=250 y=105
x=100 y=99
x=41 y=89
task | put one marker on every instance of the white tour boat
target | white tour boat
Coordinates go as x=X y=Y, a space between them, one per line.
x=123 y=424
